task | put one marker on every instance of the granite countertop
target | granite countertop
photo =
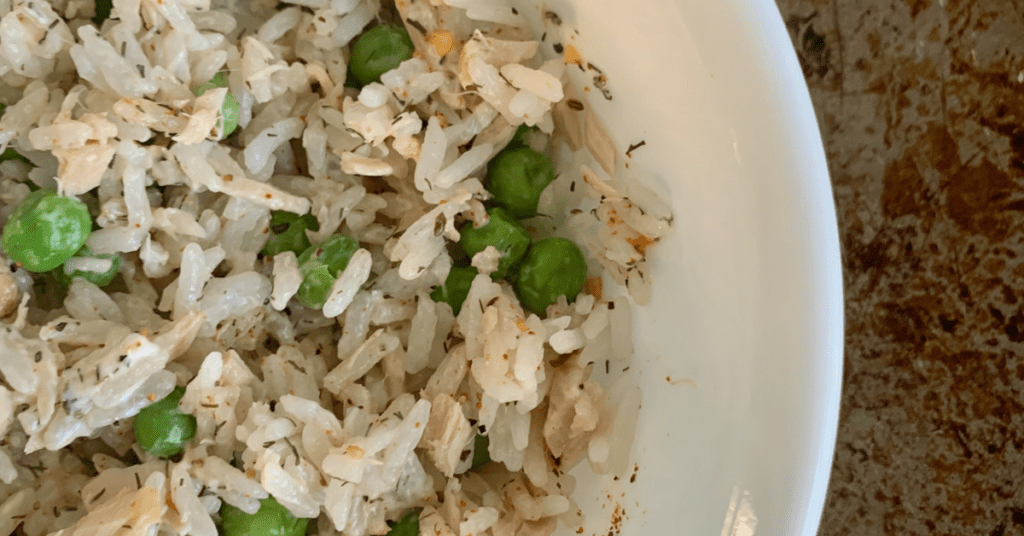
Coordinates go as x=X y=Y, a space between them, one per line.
x=921 y=106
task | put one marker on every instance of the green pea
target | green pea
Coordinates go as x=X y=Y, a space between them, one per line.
x=103 y=8
x=45 y=230
x=230 y=108
x=379 y=50
x=335 y=252
x=100 y=279
x=455 y=287
x=519 y=139
x=315 y=286
x=271 y=519
x=516 y=177
x=321 y=265
x=481 y=456
x=289 y=232
x=350 y=80
x=502 y=231
x=161 y=429
x=219 y=80
x=409 y=525
x=552 y=267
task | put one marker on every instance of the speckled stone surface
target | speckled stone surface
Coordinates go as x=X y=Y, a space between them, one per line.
x=921 y=104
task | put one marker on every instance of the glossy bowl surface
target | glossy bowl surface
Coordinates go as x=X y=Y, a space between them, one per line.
x=740 y=351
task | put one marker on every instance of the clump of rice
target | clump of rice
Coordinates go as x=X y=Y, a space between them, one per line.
x=352 y=415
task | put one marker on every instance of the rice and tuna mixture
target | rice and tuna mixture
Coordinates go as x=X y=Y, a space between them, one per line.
x=372 y=407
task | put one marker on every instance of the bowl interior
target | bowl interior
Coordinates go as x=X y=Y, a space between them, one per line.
x=740 y=351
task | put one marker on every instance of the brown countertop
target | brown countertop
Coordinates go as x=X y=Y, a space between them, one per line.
x=921 y=104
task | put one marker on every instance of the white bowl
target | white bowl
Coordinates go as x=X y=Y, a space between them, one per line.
x=740 y=350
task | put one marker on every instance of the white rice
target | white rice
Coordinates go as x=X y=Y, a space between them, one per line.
x=355 y=414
